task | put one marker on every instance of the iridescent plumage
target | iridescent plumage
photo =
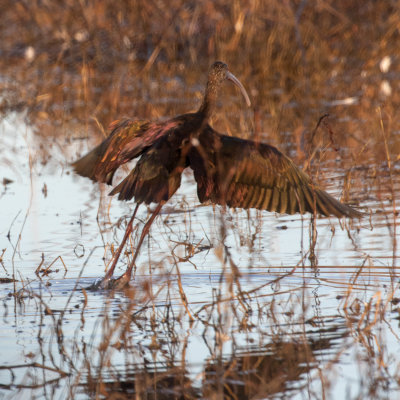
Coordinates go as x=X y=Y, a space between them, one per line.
x=229 y=171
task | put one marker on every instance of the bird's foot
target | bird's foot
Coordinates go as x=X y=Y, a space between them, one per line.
x=110 y=283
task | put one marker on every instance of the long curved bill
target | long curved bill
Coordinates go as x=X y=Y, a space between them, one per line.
x=236 y=81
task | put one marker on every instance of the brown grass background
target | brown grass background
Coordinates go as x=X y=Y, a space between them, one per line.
x=75 y=66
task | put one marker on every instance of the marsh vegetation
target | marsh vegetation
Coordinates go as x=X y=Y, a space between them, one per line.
x=224 y=303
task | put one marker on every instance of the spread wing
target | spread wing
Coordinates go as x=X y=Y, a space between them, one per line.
x=157 y=174
x=127 y=140
x=241 y=173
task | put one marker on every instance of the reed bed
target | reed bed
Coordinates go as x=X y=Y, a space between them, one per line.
x=323 y=78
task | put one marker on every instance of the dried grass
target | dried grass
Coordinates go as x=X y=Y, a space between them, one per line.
x=75 y=66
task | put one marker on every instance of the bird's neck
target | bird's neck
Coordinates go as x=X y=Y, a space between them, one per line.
x=209 y=101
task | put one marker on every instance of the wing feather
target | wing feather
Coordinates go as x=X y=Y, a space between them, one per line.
x=284 y=202
x=267 y=199
x=260 y=199
x=157 y=174
x=128 y=139
x=255 y=197
x=241 y=173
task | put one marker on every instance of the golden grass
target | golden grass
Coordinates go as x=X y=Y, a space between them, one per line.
x=71 y=61
x=75 y=66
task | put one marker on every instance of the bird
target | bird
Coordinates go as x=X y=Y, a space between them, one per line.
x=229 y=171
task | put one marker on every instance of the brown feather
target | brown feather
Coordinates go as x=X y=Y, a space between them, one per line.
x=157 y=174
x=260 y=198
x=127 y=140
x=242 y=173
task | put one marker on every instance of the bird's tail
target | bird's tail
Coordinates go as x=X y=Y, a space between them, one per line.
x=89 y=166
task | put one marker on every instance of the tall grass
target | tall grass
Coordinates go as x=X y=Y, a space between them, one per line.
x=315 y=74
x=72 y=62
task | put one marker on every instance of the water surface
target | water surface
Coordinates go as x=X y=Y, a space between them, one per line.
x=223 y=301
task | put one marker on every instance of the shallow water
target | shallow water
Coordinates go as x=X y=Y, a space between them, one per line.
x=281 y=327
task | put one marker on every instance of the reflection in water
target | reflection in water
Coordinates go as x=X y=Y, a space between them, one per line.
x=253 y=372
x=279 y=367
x=225 y=303
x=151 y=382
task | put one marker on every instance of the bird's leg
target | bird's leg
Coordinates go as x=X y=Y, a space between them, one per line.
x=128 y=231
x=124 y=279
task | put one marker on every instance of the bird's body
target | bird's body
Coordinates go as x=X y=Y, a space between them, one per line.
x=157 y=174
x=229 y=171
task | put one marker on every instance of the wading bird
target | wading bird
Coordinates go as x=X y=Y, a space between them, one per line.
x=228 y=171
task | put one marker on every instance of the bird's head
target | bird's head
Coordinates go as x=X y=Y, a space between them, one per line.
x=219 y=72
